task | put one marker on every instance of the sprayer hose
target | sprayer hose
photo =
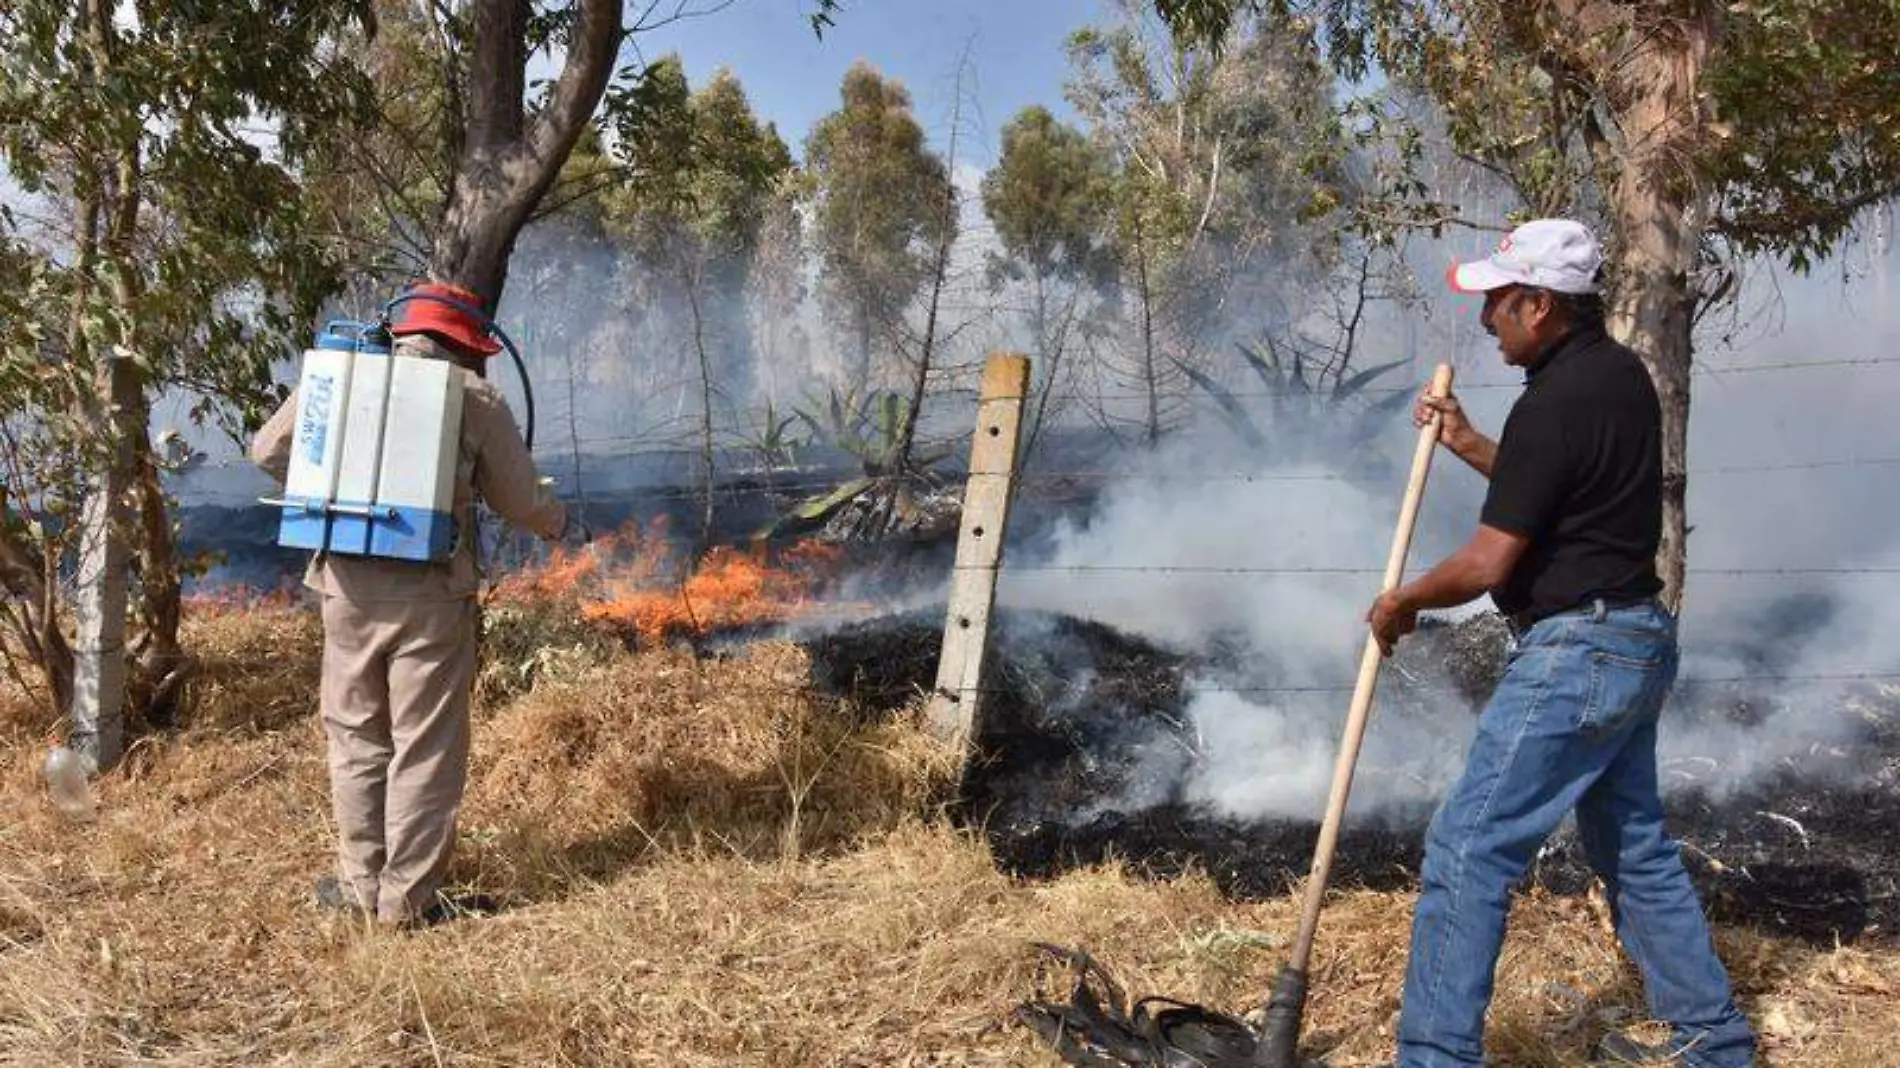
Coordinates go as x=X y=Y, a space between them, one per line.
x=521 y=366
x=527 y=387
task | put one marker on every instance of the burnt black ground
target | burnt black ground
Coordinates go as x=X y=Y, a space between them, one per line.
x=1080 y=718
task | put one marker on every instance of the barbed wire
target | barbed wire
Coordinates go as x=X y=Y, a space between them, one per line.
x=1106 y=474
x=755 y=417
x=1191 y=687
x=1200 y=569
x=1809 y=465
x=1791 y=365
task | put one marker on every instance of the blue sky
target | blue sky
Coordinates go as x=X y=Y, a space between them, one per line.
x=792 y=77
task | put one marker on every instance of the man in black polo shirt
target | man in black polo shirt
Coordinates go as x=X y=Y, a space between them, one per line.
x=1566 y=547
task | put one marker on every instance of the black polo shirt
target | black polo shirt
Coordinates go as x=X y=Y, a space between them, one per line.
x=1579 y=472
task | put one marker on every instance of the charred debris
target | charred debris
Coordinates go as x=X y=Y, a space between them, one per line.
x=1086 y=745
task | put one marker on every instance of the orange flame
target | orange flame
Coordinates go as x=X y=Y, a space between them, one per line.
x=561 y=577
x=217 y=602
x=629 y=582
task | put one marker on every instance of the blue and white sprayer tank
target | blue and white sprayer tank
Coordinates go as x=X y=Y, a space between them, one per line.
x=373 y=457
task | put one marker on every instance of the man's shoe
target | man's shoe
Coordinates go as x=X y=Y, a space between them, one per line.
x=1622 y=1049
x=448 y=908
x=330 y=895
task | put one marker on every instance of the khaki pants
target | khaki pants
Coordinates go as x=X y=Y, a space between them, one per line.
x=395 y=695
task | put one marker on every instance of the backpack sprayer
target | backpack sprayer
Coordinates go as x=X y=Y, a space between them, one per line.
x=378 y=433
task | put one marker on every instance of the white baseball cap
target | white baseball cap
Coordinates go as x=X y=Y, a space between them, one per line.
x=1554 y=254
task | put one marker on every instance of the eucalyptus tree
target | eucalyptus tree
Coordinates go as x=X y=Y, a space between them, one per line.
x=157 y=241
x=1690 y=131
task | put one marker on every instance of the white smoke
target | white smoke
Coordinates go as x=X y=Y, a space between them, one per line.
x=1819 y=671
x=1267 y=757
x=1205 y=545
x=1792 y=647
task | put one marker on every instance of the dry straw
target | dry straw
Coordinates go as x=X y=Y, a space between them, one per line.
x=707 y=865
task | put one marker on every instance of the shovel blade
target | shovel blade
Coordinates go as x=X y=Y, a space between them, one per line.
x=1280 y=1032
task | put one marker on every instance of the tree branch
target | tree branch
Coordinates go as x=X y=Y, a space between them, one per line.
x=497 y=76
x=571 y=102
x=1765 y=227
x=582 y=187
x=1213 y=189
x=512 y=161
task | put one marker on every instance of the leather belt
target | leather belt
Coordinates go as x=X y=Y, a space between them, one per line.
x=1519 y=622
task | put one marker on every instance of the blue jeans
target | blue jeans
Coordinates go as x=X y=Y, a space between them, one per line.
x=1572 y=725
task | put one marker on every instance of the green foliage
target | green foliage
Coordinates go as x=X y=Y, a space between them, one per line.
x=700 y=167
x=1050 y=200
x=701 y=180
x=47 y=443
x=380 y=186
x=1804 y=100
x=216 y=264
x=1807 y=103
x=1229 y=154
x=1201 y=20
x=169 y=250
x=880 y=205
x=773 y=440
x=1233 y=194
x=870 y=426
x=866 y=423
x=210 y=68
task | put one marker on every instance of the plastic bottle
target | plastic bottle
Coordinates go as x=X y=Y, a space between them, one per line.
x=66 y=780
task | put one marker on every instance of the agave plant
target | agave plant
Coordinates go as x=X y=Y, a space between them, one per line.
x=774 y=442
x=868 y=426
x=1298 y=384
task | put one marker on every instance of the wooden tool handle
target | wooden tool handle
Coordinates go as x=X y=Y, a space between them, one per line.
x=1368 y=683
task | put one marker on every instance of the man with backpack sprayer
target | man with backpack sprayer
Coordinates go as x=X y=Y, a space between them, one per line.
x=398 y=577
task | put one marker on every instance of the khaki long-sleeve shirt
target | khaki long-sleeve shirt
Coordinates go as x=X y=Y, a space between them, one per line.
x=494 y=463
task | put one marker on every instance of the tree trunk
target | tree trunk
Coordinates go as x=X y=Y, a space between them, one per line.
x=29 y=569
x=1658 y=212
x=160 y=666
x=1148 y=373
x=509 y=160
x=574 y=432
x=60 y=661
x=117 y=406
x=1048 y=359
x=690 y=277
x=98 y=706
x=939 y=272
x=861 y=369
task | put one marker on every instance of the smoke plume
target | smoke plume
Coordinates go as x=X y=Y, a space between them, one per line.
x=1787 y=623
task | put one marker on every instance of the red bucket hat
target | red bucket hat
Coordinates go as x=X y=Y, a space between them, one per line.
x=464 y=329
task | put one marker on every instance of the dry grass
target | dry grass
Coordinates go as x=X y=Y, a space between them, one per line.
x=709 y=866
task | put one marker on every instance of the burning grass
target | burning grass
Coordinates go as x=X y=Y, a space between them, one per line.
x=632 y=584
x=241 y=599
x=707 y=864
